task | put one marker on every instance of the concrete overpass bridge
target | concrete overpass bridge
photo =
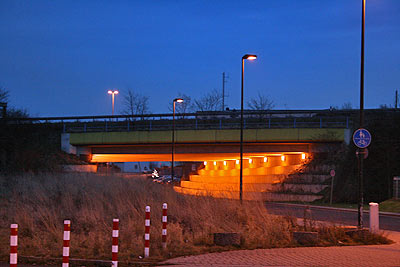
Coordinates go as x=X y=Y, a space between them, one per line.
x=205 y=136
x=276 y=143
x=200 y=145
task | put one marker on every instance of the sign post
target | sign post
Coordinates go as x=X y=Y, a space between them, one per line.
x=362 y=139
x=332 y=173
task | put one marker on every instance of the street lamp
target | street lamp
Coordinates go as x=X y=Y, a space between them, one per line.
x=113 y=92
x=179 y=100
x=248 y=57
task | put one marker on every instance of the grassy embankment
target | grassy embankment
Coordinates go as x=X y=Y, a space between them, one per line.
x=40 y=203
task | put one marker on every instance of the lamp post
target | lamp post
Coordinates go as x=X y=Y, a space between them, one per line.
x=362 y=150
x=112 y=93
x=248 y=57
x=179 y=100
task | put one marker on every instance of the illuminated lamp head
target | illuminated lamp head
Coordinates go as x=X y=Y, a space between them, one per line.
x=249 y=57
x=237 y=161
x=250 y=161
x=303 y=156
x=205 y=163
x=215 y=163
x=265 y=159
x=283 y=158
x=179 y=100
x=224 y=162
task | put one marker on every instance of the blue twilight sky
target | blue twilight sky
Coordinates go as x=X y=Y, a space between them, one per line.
x=59 y=58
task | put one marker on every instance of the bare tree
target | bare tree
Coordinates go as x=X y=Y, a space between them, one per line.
x=347 y=105
x=11 y=112
x=135 y=104
x=260 y=102
x=4 y=95
x=209 y=102
x=385 y=106
x=17 y=113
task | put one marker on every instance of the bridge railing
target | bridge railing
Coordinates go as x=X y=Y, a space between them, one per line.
x=198 y=124
x=197 y=121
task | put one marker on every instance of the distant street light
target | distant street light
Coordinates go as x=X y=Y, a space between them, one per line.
x=248 y=57
x=179 y=100
x=113 y=92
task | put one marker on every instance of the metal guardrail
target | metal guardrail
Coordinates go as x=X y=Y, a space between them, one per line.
x=198 y=124
x=198 y=121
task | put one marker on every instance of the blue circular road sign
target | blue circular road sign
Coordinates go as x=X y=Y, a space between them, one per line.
x=362 y=138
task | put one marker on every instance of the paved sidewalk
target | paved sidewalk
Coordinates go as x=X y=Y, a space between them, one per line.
x=376 y=255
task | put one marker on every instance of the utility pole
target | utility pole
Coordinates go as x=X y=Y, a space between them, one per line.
x=396 y=99
x=362 y=150
x=223 y=90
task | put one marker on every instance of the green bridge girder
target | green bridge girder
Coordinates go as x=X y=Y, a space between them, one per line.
x=294 y=135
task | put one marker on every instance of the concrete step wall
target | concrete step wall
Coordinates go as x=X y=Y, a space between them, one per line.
x=255 y=179
x=255 y=162
x=250 y=171
x=262 y=179
x=226 y=186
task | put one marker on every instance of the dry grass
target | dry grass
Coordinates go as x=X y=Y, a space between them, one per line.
x=40 y=203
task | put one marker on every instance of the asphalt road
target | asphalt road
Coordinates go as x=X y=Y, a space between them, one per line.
x=334 y=215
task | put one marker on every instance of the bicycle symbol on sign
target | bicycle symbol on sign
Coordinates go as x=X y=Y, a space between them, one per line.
x=362 y=138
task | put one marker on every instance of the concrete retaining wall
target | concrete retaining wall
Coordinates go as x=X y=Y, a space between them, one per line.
x=80 y=168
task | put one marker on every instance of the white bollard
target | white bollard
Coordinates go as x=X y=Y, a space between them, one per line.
x=373 y=217
x=13 y=245
x=67 y=232
x=147 y=233
x=115 y=234
x=164 y=226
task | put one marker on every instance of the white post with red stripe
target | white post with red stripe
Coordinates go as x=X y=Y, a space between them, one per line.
x=164 y=225
x=13 y=245
x=115 y=234
x=67 y=231
x=147 y=233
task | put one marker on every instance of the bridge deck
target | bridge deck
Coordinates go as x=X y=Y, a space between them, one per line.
x=297 y=135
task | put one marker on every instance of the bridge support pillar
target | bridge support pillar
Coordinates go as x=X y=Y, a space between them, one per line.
x=65 y=145
x=84 y=153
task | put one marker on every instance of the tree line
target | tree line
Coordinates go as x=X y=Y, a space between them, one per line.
x=10 y=110
x=135 y=103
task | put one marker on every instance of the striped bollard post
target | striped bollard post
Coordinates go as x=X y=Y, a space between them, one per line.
x=164 y=226
x=115 y=234
x=67 y=231
x=13 y=245
x=147 y=233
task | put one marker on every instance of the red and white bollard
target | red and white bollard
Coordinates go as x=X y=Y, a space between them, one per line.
x=147 y=233
x=115 y=233
x=164 y=225
x=13 y=245
x=67 y=231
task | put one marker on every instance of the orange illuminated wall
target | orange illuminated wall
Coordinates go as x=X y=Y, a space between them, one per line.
x=220 y=178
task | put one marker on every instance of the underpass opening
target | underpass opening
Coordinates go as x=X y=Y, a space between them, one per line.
x=217 y=174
